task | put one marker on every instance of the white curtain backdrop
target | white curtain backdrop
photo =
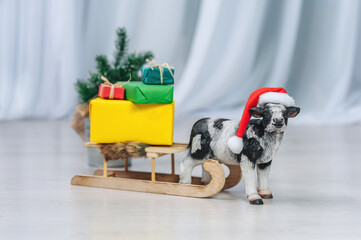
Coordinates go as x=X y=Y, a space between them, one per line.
x=222 y=51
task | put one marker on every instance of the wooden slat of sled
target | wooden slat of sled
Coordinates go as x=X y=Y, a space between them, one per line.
x=161 y=177
x=94 y=145
x=158 y=151
x=152 y=151
x=232 y=180
x=176 y=147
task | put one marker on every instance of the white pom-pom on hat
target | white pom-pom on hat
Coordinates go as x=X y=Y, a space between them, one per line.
x=235 y=144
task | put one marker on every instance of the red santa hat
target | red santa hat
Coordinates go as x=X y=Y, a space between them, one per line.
x=260 y=98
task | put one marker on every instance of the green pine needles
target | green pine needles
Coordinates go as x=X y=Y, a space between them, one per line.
x=124 y=65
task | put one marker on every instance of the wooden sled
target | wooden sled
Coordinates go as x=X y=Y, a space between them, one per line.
x=160 y=182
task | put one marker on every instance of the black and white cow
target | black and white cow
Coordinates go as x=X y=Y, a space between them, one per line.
x=261 y=141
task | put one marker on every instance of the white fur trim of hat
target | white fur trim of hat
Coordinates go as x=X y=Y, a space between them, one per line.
x=275 y=97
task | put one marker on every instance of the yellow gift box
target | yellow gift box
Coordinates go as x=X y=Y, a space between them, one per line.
x=120 y=121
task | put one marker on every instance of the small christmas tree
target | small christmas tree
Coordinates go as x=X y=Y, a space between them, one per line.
x=124 y=66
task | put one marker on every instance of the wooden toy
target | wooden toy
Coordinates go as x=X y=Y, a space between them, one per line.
x=125 y=179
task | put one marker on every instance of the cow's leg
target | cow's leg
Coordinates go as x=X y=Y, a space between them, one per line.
x=262 y=173
x=250 y=179
x=206 y=176
x=186 y=167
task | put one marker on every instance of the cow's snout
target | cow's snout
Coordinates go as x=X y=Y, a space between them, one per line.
x=278 y=122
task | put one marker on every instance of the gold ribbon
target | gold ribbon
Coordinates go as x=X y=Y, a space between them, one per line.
x=160 y=66
x=112 y=86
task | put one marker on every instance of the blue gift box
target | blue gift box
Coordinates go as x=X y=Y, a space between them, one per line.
x=157 y=75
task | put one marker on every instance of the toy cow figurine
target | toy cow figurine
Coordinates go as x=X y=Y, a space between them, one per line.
x=250 y=143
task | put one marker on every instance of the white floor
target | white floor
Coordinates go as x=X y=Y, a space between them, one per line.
x=315 y=180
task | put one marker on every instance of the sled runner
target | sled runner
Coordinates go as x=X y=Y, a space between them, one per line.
x=160 y=182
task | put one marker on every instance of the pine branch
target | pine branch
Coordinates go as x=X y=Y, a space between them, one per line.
x=103 y=65
x=134 y=62
x=121 y=45
x=88 y=89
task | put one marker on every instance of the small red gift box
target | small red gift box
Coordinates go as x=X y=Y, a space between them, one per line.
x=110 y=91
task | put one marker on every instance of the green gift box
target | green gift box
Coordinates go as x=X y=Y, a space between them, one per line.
x=152 y=75
x=138 y=92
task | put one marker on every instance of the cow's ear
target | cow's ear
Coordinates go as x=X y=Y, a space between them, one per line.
x=256 y=112
x=293 y=111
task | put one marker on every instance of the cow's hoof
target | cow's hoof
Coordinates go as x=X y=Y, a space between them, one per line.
x=267 y=196
x=256 y=202
x=255 y=199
